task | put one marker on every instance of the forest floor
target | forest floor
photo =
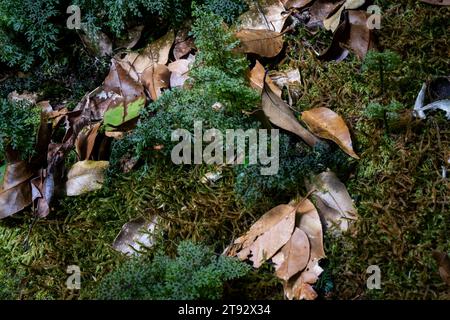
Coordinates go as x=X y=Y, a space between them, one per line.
x=401 y=196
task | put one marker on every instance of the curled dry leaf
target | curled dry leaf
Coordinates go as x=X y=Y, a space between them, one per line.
x=352 y=33
x=327 y=124
x=15 y=191
x=265 y=15
x=278 y=112
x=257 y=76
x=135 y=235
x=85 y=141
x=332 y=22
x=265 y=43
x=86 y=176
x=320 y=10
x=155 y=79
x=333 y=200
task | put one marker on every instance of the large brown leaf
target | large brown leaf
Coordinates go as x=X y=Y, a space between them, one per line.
x=15 y=192
x=279 y=113
x=327 y=124
x=86 y=140
x=443 y=261
x=265 y=43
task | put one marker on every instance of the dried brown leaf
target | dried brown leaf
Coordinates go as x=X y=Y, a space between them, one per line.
x=155 y=79
x=265 y=43
x=327 y=124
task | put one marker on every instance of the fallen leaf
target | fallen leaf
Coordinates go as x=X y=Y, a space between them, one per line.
x=332 y=199
x=155 y=79
x=85 y=141
x=265 y=43
x=257 y=76
x=157 y=52
x=85 y=176
x=294 y=255
x=30 y=97
x=420 y=108
x=320 y=10
x=15 y=192
x=179 y=72
x=184 y=44
x=332 y=22
x=327 y=124
x=122 y=97
x=278 y=112
x=264 y=15
x=135 y=235
x=242 y=247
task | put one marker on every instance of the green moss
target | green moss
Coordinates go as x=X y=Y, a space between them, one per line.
x=195 y=273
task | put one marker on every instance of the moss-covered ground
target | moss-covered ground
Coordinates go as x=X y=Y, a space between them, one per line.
x=401 y=196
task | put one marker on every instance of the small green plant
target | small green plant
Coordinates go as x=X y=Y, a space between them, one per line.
x=227 y=9
x=18 y=127
x=381 y=62
x=217 y=76
x=377 y=111
x=196 y=273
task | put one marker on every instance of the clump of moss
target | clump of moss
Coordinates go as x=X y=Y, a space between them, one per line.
x=195 y=273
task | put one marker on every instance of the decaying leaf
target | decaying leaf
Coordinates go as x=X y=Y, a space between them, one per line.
x=333 y=200
x=179 y=71
x=134 y=235
x=155 y=79
x=15 y=192
x=264 y=15
x=265 y=43
x=257 y=76
x=85 y=141
x=121 y=98
x=294 y=255
x=157 y=52
x=278 y=112
x=320 y=10
x=184 y=44
x=85 y=176
x=352 y=33
x=244 y=245
x=327 y=124
x=332 y=22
